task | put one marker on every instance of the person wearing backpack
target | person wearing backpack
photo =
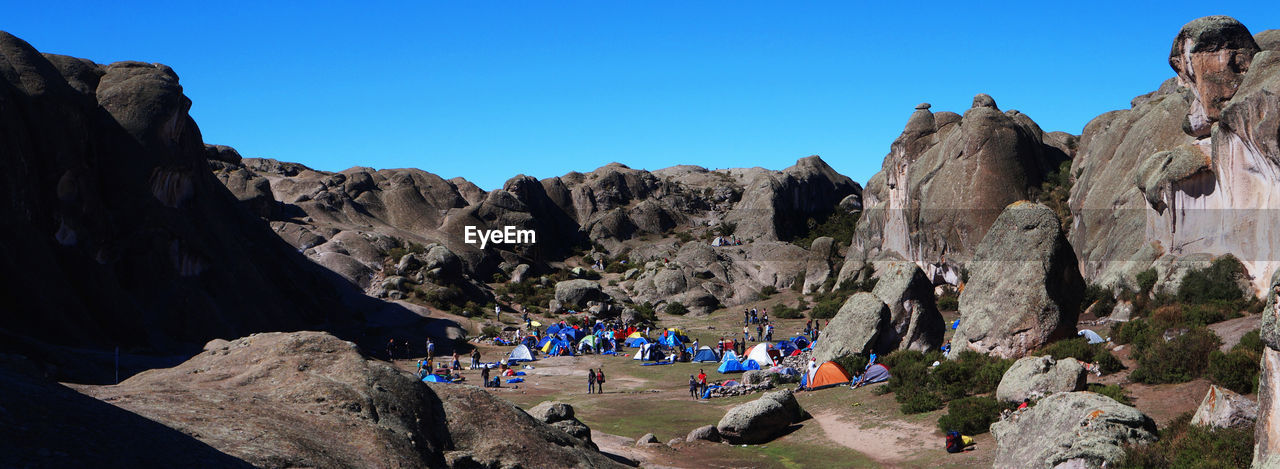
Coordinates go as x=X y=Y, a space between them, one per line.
x=600 y=381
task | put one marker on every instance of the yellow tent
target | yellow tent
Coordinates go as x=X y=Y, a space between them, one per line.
x=547 y=348
x=676 y=330
x=635 y=335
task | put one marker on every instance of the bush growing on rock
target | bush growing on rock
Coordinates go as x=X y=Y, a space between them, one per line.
x=1214 y=283
x=1190 y=446
x=1101 y=299
x=675 y=309
x=971 y=415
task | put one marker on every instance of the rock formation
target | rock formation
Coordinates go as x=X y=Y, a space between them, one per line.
x=1223 y=408
x=1266 y=437
x=944 y=182
x=1024 y=287
x=760 y=420
x=915 y=321
x=1037 y=377
x=1075 y=429
x=861 y=326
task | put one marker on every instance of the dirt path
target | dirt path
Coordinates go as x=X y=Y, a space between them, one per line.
x=890 y=442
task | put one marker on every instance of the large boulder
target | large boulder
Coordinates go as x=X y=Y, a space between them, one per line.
x=1266 y=436
x=913 y=310
x=1211 y=56
x=560 y=415
x=1074 y=429
x=1223 y=408
x=302 y=399
x=760 y=420
x=944 y=182
x=861 y=326
x=576 y=293
x=703 y=433
x=1024 y=286
x=1037 y=377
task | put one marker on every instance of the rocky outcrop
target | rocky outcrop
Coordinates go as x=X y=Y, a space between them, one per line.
x=760 y=420
x=1076 y=429
x=945 y=180
x=861 y=326
x=291 y=399
x=1266 y=436
x=560 y=415
x=576 y=293
x=1193 y=166
x=915 y=323
x=1223 y=408
x=1037 y=377
x=114 y=220
x=1024 y=286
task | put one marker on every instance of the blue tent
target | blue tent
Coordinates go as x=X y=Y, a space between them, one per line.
x=800 y=341
x=636 y=341
x=956 y=324
x=1093 y=337
x=706 y=354
x=553 y=329
x=730 y=364
x=786 y=347
x=751 y=365
x=544 y=341
x=433 y=378
x=672 y=340
x=874 y=374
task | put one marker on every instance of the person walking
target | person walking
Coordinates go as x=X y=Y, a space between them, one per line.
x=599 y=381
x=591 y=381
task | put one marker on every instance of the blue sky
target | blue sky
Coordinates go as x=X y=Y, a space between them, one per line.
x=488 y=90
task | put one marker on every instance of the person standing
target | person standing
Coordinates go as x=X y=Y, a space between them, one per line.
x=599 y=381
x=746 y=317
x=475 y=358
x=591 y=381
x=702 y=382
x=391 y=349
x=484 y=376
x=746 y=334
x=693 y=387
x=431 y=349
x=759 y=331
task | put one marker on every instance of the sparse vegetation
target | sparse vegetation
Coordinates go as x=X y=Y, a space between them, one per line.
x=838 y=225
x=1184 y=445
x=1238 y=369
x=675 y=309
x=1179 y=360
x=394 y=254
x=782 y=311
x=1114 y=391
x=971 y=415
x=767 y=291
x=1101 y=299
x=1080 y=349
x=949 y=300
x=854 y=364
x=917 y=388
x=1054 y=192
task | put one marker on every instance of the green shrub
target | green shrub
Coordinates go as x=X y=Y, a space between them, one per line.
x=1208 y=313
x=646 y=313
x=1183 y=445
x=1080 y=349
x=768 y=291
x=782 y=311
x=949 y=302
x=799 y=283
x=1176 y=361
x=1234 y=370
x=489 y=331
x=1146 y=281
x=1101 y=299
x=854 y=364
x=684 y=236
x=988 y=376
x=1113 y=391
x=971 y=415
x=916 y=402
x=838 y=225
x=1217 y=282
x=675 y=309
x=616 y=267
x=1130 y=332
x=826 y=309
x=1250 y=341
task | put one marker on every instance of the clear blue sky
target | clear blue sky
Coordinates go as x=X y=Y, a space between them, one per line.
x=489 y=90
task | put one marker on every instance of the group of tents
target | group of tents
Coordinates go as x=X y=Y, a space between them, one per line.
x=832 y=374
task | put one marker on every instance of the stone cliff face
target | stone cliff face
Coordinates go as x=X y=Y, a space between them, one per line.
x=1193 y=166
x=944 y=182
x=117 y=234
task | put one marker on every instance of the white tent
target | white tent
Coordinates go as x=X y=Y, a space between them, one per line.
x=521 y=353
x=760 y=353
x=1093 y=337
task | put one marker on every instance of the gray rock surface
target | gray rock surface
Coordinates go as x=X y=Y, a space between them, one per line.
x=861 y=326
x=1024 y=286
x=704 y=433
x=915 y=321
x=1037 y=377
x=760 y=420
x=1224 y=408
x=576 y=293
x=648 y=439
x=1079 y=429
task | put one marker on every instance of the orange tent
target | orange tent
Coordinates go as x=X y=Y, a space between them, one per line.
x=829 y=374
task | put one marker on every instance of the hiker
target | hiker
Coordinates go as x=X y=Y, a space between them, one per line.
x=497 y=312
x=391 y=349
x=768 y=332
x=702 y=381
x=764 y=316
x=591 y=381
x=746 y=334
x=431 y=348
x=746 y=317
x=693 y=387
x=1025 y=403
x=599 y=381
x=475 y=358
x=484 y=376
